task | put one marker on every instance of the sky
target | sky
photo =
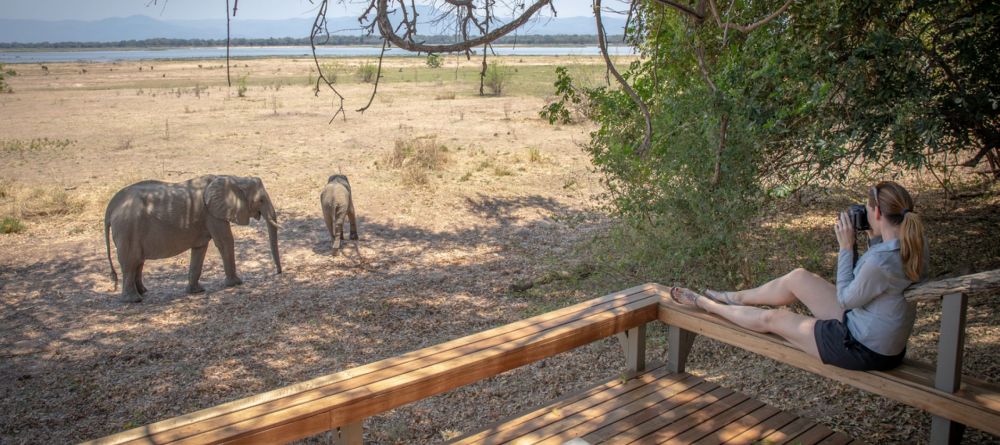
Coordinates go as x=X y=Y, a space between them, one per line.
x=202 y=9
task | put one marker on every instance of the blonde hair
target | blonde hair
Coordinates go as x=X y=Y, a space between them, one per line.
x=896 y=206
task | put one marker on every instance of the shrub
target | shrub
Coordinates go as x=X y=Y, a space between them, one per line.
x=497 y=77
x=534 y=155
x=366 y=72
x=4 y=87
x=11 y=225
x=416 y=157
x=434 y=61
x=241 y=87
x=329 y=71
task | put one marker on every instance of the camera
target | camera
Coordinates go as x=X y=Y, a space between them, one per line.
x=858 y=215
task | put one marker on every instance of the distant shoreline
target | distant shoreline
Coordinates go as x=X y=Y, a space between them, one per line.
x=123 y=54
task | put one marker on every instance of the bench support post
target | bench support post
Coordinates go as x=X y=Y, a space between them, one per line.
x=634 y=345
x=679 y=345
x=948 y=376
x=350 y=434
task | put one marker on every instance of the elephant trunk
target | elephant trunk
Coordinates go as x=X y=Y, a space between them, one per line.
x=272 y=232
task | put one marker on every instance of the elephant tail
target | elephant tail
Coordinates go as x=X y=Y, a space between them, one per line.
x=107 y=245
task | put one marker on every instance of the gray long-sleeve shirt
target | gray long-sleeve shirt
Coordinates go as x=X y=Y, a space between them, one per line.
x=880 y=318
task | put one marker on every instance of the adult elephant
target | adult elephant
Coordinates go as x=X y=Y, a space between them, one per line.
x=151 y=220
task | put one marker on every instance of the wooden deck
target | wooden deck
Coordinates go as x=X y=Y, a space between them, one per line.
x=657 y=407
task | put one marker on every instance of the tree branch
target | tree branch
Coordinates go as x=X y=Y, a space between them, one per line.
x=602 y=42
x=745 y=29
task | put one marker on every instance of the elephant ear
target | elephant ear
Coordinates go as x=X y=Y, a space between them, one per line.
x=226 y=201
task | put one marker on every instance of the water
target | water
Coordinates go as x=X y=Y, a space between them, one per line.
x=271 y=51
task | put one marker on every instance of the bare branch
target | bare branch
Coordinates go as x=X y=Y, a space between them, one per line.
x=319 y=25
x=378 y=75
x=745 y=29
x=602 y=42
x=682 y=8
x=385 y=28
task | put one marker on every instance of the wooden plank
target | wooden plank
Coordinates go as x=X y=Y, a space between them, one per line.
x=788 y=432
x=670 y=416
x=836 y=439
x=887 y=384
x=176 y=428
x=356 y=404
x=966 y=284
x=526 y=423
x=711 y=425
x=759 y=432
x=972 y=391
x=739 y=426
x=813 y=435
x=659 y=401
x=689 y=416
x=635 y=424
x=298 y=389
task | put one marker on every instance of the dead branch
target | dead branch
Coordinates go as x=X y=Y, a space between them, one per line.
x=378 y=75
x=319 y=26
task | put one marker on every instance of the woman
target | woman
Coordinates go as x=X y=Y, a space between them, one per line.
x=863 y=321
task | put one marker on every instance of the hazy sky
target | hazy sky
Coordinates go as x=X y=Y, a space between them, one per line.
x=199 y=9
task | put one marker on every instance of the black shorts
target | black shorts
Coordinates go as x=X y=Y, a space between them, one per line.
x=838 y=347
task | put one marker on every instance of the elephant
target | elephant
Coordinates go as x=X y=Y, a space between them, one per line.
x=337 y=203
x=152 y=220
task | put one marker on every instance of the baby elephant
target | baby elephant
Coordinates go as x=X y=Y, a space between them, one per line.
x=337 y=203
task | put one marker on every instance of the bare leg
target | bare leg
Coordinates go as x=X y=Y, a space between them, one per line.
x=819 y=295
x=194 y=273
x=796 y=328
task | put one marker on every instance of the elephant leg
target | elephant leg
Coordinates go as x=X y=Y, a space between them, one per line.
x=222 y=235
x=138 y=279
x=328 y=219
x=130 y=262
x=194 y=274
x=354 y=221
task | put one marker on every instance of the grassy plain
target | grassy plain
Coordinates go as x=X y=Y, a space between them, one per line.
x=495 y=196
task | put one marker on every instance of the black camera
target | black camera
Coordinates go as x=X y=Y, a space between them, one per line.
x=858 y=214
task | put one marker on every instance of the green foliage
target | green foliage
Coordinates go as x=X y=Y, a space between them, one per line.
x=497 y=77
x=4 y=86
x=366 y=72
x=568 y=100
x=739 y=119
x=434 y=60
x=11 y=224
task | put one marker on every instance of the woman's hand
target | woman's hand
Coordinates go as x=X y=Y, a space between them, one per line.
x=845 y=232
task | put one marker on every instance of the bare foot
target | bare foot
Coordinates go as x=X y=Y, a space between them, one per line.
x=685 y=296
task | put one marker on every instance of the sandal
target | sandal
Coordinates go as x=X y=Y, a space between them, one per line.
x=684 y=296
x=721 y=297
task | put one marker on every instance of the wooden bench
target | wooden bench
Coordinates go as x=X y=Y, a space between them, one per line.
x=344 y=399
x=663 y=403
x=954 y=400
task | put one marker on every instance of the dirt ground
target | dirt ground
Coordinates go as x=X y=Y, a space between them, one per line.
x=438 y=250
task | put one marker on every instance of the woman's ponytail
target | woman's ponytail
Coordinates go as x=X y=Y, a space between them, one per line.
x=911 y=245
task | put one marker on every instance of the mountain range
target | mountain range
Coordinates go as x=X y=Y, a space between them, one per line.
x=140 y=27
